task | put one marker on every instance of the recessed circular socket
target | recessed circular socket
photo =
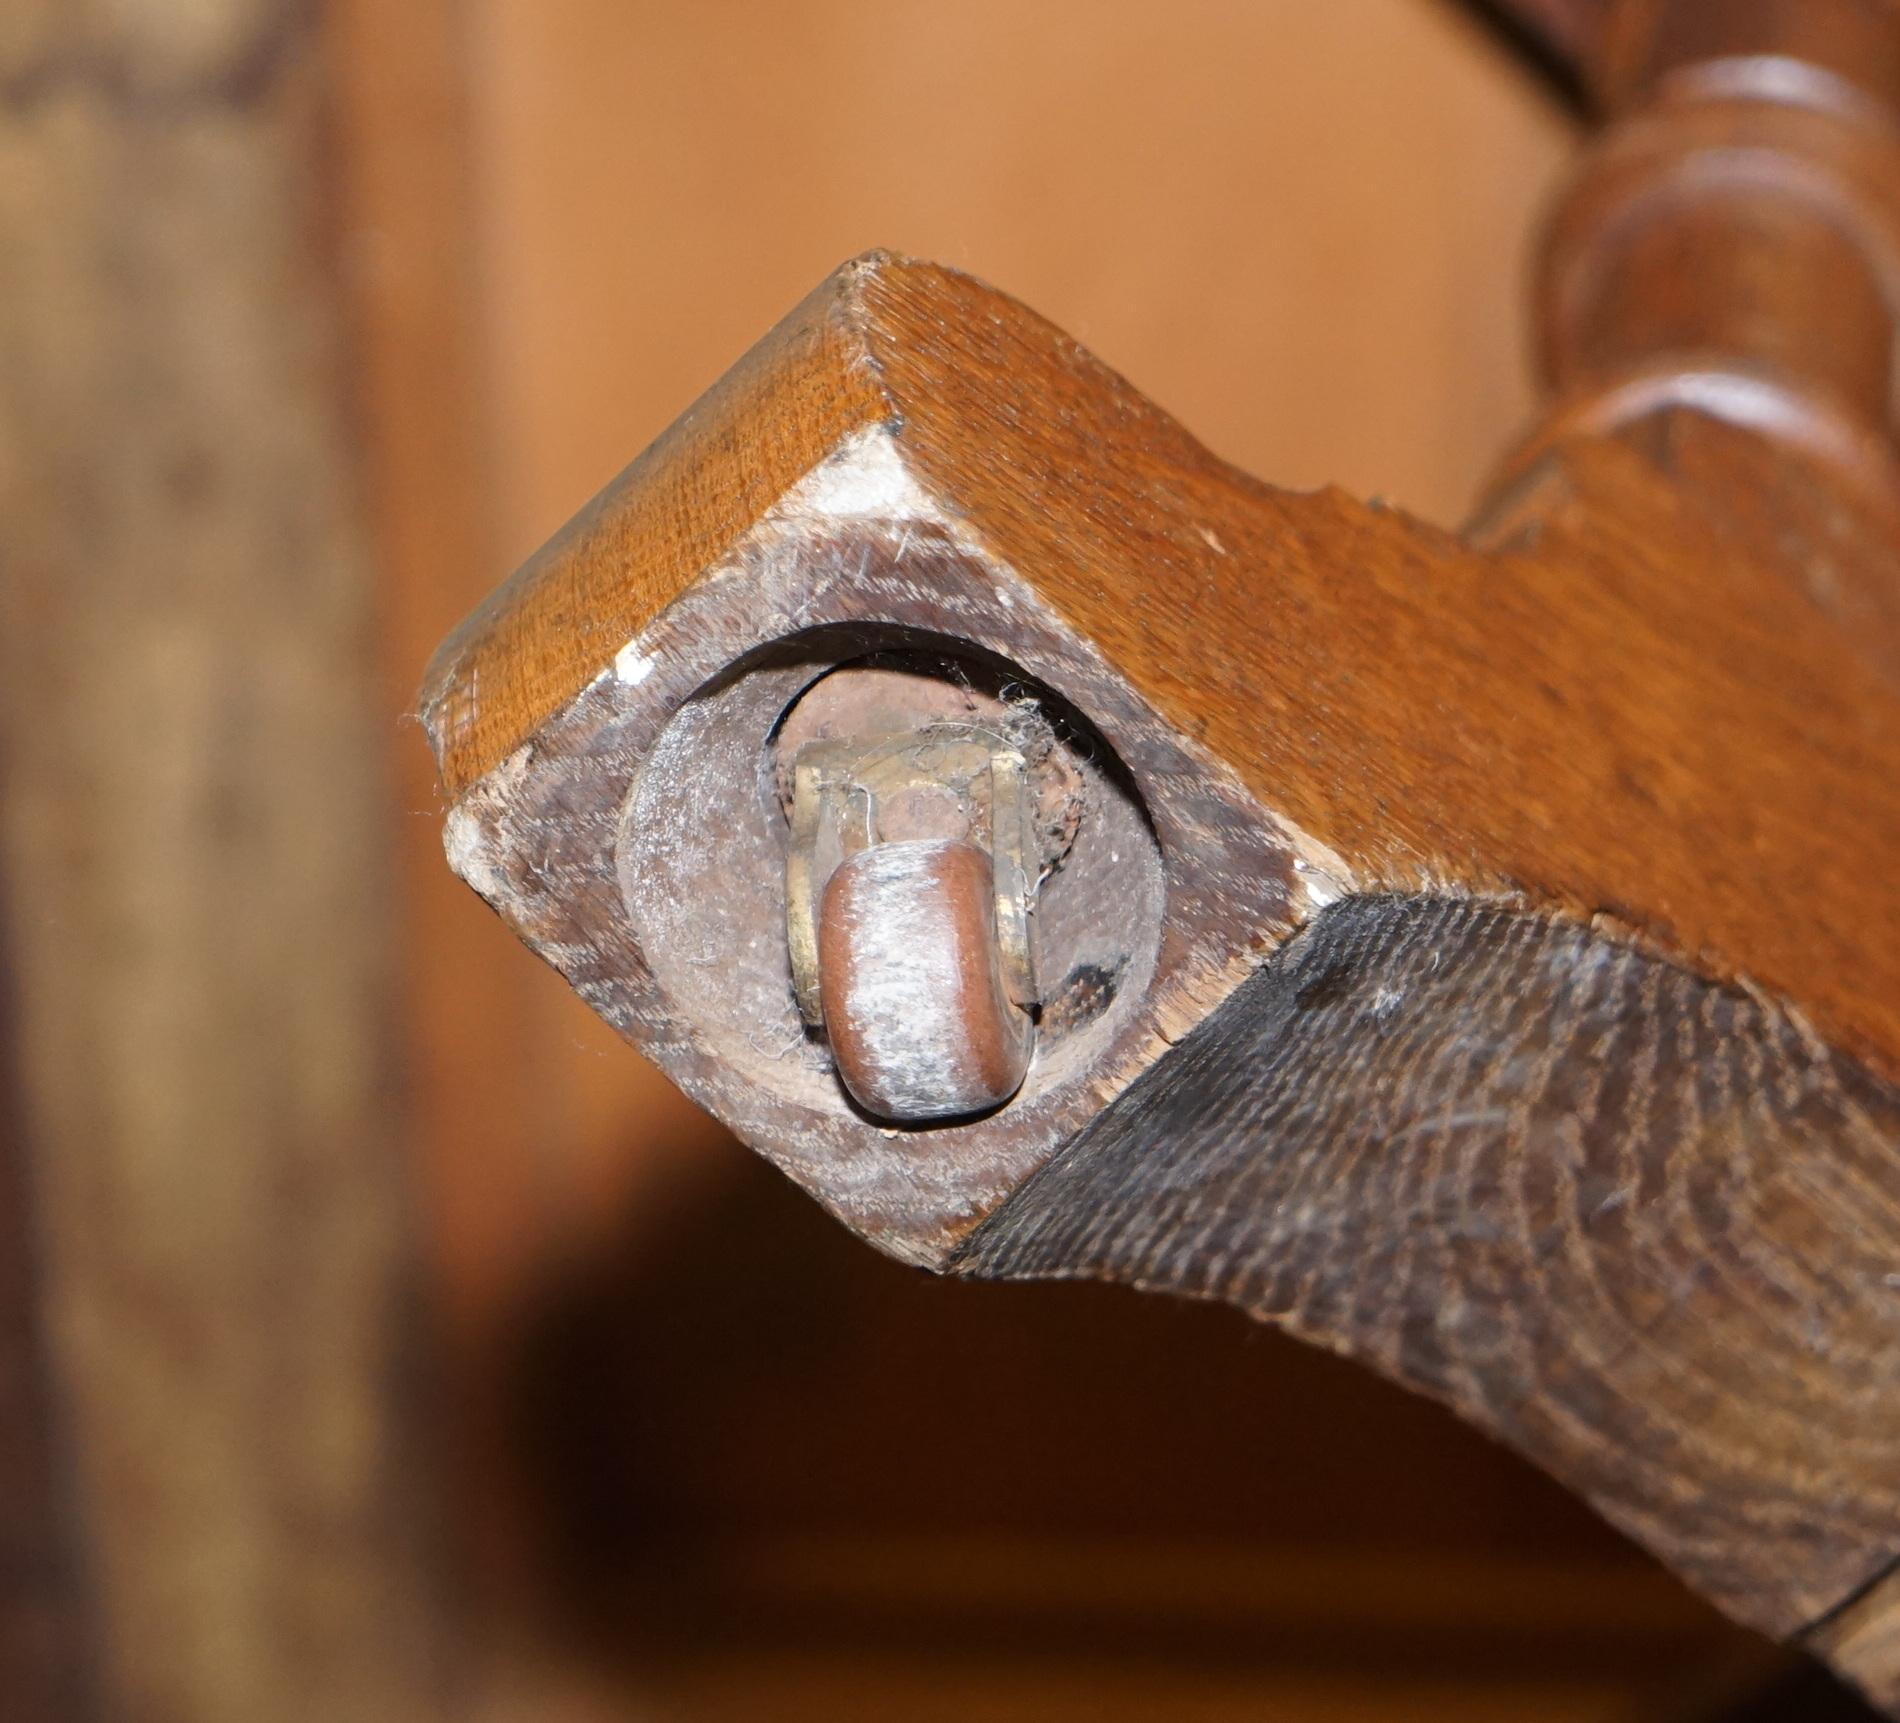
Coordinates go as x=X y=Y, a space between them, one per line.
x=706 y=832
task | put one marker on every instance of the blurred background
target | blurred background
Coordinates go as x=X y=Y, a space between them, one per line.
x=378 y=1337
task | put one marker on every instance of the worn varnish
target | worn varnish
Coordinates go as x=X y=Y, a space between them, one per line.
x=1642 y=722
x=1526 y=1009
x=639 y=844
x=1637 y=721
x=1587 y=725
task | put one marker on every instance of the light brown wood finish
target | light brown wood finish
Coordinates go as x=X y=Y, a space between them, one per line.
x=1727 y=254
x=1585 y=726
x=197 y=961
x=1363 y=325
x=1616 y=682
x=1623 y=713
x=1077 y=151
x=1397 y=133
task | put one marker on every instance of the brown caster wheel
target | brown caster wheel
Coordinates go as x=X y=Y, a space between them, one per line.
x=910 y=979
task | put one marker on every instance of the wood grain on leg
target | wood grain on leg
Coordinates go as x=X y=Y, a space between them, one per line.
x=1525 y=1012
x=1637 y=1224
x=1643 y=720
x=1666 y=756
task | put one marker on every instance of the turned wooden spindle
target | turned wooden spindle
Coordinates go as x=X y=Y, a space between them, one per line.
x=1731 y=240
x=1718 y=285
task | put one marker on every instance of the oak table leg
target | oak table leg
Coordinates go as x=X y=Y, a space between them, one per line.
x=1477 y=956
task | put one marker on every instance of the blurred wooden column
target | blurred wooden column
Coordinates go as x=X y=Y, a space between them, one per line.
x=194 y=857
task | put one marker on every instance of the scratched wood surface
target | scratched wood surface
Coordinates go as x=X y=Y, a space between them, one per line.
x=1361 y=325
x=1389 y=137
x=1634 y=722
x=1672 y=749
x=1672 y=813
x=1640 y=1226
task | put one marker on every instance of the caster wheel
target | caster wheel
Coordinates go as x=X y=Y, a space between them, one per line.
x=920 y=1023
